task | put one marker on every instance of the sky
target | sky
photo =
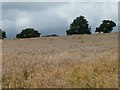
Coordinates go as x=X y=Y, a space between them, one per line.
x=54 y=17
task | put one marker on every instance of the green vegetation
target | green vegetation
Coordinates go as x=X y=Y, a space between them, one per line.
x=106 y=26
x=53 y=35
x=28 y=33
x=2 y=34
x=79 y=26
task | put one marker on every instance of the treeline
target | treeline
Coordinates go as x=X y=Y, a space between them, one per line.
x=78 y=26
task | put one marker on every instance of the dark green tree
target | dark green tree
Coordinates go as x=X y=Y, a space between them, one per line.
x=79 y=26
x=2 y=34
x=28 y=33
x=106 y=26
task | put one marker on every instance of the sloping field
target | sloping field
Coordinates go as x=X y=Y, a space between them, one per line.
x=84 y=61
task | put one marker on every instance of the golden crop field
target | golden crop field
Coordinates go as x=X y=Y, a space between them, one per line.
x=81 y=61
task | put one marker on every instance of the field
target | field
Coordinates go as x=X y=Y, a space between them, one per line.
x=82 y=61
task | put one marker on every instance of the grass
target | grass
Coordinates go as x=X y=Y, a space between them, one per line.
x=83 y=61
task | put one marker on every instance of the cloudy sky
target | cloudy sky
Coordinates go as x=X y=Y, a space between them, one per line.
x=54 y=17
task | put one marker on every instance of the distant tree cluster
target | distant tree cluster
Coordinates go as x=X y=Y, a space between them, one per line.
x=78 y=26
x=2 y=34
x=28 y=33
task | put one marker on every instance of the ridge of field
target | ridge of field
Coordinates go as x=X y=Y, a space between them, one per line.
x=83 y=61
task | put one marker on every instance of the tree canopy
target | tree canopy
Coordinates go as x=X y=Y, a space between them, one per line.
x=79 y=26
x=28 y=33
x=2 y=34
x=106 y=26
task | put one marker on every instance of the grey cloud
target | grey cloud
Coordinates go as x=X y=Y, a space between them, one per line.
x=29 y=6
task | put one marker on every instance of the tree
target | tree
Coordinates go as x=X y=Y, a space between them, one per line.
x=79 y=26
x=28 y=33
x=106 y=26
x=2 y=34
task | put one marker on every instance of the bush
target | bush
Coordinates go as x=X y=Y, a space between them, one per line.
x=53 y=35
x=2 y=34
x=28 y=33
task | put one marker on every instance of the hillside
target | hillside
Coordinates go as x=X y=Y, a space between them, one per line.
x=84 y=61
